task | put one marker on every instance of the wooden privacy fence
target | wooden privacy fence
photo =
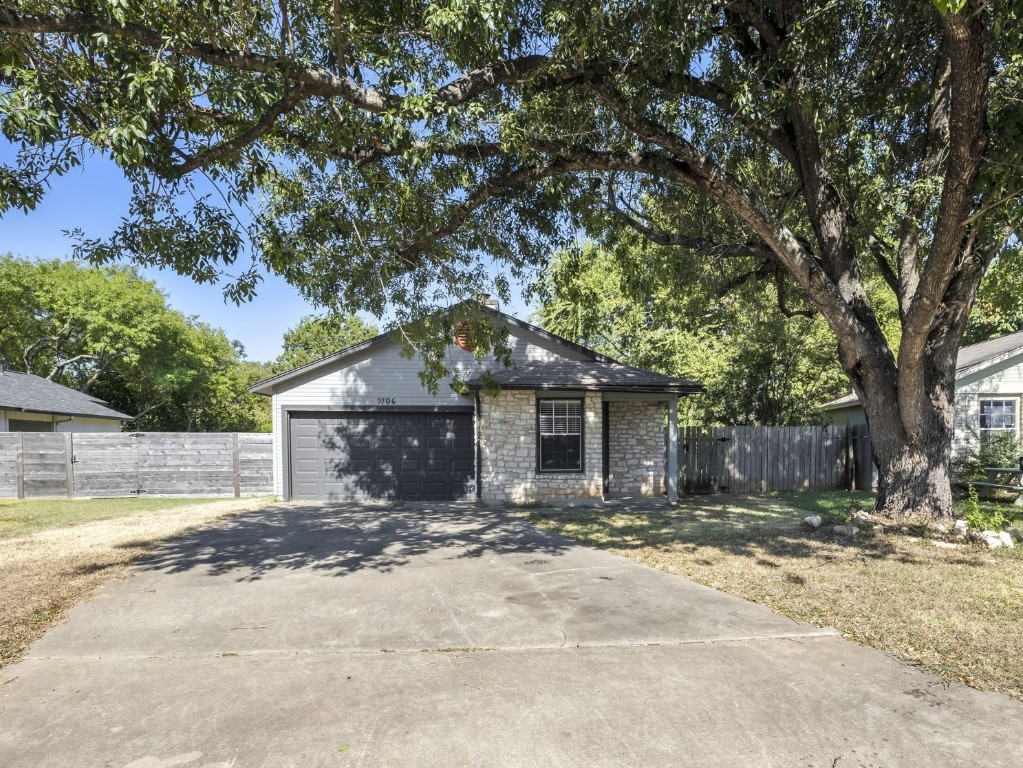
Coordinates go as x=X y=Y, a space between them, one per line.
x=41 y=464
x=759 y=459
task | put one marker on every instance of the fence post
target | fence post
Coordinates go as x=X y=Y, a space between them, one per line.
x=69 y=464
x=19 y=465
x=237 y=465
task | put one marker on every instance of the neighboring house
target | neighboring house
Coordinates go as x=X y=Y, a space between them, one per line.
x=989 y=384
x=567 y=423
x=29 y=403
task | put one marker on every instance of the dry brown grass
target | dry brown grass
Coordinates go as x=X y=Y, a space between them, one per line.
x=44 y=574
x=956 y=612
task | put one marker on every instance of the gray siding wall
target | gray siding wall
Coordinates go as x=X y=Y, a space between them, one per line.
x=62 y=424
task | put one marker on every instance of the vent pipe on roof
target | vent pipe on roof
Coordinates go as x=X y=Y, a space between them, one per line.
x=489 y=301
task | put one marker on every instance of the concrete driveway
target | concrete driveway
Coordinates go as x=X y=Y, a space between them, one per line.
x=447 y=636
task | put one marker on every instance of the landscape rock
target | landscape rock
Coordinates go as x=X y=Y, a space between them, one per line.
x=845 y=530
x=861 y=517
x=991 y=538
x=939 y=528
x=960 y=528
x=814 y=521
x=878 y=530
x=1006 y=538
x=1015 y=533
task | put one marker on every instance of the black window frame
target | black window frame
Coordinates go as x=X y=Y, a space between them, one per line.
x=581 y=401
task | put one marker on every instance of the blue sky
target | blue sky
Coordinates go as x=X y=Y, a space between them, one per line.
x=93 y=198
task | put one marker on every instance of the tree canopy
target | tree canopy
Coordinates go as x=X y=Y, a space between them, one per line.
x=758 y=366
x=316 y=337
x=109 y=332
x=387 y=152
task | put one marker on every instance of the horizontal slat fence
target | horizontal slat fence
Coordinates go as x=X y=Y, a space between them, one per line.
x=760 y=459
x=42 y=464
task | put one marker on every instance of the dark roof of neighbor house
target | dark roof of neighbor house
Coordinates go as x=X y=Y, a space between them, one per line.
x=265 y=387
x=969 y=357
x=28 y=392
x=591 y=376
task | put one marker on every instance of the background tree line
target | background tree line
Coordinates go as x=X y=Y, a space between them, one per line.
x=112 y=333
x=762 y=360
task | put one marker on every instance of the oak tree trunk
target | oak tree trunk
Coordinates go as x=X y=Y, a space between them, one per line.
x=914 y=479
x=911 y=438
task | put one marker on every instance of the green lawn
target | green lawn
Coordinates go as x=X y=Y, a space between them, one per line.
x=21 y=517
x=956 y=610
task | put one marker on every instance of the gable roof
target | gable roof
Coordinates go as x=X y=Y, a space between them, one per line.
x=28 y=392
x=970 y=359
x=588 y=376
x=265 y=387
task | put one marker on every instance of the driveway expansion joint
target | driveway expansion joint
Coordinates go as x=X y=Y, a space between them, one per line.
x=582 y=645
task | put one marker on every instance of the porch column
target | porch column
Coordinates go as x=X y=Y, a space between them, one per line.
x=673 y=450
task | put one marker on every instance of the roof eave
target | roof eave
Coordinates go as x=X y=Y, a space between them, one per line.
x=834 y=405
x=652 y=389
x=969 y=370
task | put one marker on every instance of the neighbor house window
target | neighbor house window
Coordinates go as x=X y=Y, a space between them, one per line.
x=560 y=435
x=998 y=417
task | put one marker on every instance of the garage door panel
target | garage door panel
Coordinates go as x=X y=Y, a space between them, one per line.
x=461 y=466
x=381 y=455
x=352 y=465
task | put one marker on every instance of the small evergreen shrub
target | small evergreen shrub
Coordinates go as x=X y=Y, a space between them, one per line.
x=1002 y=450
x=978 y=519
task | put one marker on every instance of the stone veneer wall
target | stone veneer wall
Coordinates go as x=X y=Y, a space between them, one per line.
x=636 y=447
x=507 y=423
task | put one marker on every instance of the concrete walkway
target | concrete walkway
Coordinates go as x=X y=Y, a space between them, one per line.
x=448 y=636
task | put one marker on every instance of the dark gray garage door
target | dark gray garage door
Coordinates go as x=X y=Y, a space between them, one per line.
x=380 y=455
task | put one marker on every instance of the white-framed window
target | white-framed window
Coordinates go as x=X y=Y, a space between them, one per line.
x=559 y=435
x=998 y=416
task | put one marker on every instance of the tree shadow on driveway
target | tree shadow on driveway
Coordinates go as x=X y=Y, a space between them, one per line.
x=345 y=538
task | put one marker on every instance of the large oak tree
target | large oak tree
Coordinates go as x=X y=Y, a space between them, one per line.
x=380 y=152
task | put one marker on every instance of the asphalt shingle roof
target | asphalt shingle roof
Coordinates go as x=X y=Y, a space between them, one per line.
x=593 y=376
x=27 y=392
x=969 y=357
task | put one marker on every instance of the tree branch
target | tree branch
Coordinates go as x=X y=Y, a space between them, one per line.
x=778 y=136
x=315 y=79
x=935 y=154
x=61 y=365
x=970 y=70
x=243 y=139
x=877 y=248
x=754 y=250
x=570 y=162
x=780 y=292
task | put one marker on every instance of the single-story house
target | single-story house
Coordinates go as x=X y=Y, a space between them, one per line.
x=567 y=422
x=30 y=403
x=989 y=384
